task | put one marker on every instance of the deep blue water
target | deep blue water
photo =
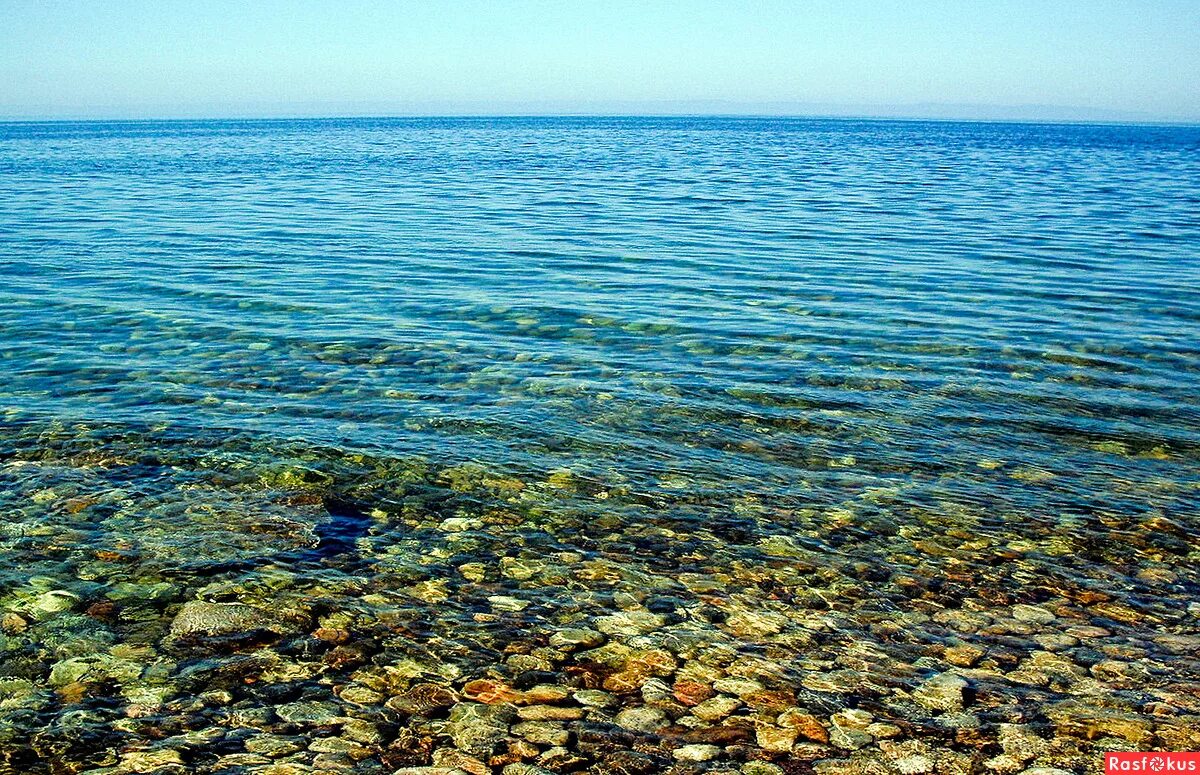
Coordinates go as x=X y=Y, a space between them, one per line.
x=914 y=349
x=655 y=294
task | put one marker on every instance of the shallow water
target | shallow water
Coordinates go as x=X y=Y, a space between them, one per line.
x=807 y=403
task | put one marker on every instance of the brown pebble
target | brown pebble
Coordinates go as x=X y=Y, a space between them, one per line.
x=76 y=505
x=769 y=701
x=73 y=692
x=423 y=698
x=806 y=724
x=589 y=676
x=332 y=634
x=105 y=610
x=625 y=682
x=692 y=693
x=721 y=735
x=540 y=695
x=518 y=750
x=963 y=655
x=344 y=656
x=455 y=759
x=1088 y=596
x=490 y=692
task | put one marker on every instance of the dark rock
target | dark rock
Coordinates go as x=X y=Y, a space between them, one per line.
x=531 y=678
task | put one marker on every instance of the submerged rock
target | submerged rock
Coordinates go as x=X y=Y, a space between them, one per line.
x=199 y=618
x=309 y=713
x=945 y=692
x=696 y=752
x=477 y=728
x=641 y=719
x=423 y=699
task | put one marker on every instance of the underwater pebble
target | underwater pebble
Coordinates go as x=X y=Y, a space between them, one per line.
x=577 y=638
x=943 y=692
x=696 y=753
x=309 y=713
x=198 y=617
x=641 y=719
x=1032 y=613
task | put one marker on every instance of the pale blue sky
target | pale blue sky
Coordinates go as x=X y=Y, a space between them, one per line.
x=1005 y=58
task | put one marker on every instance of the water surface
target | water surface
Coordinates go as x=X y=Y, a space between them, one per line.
x=807 y=403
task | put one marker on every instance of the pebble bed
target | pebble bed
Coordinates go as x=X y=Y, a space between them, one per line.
x=473 y=621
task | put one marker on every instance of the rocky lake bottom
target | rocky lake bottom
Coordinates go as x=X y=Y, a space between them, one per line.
x=463 y=619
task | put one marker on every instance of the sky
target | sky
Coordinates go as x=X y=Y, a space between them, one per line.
x=1052 y=59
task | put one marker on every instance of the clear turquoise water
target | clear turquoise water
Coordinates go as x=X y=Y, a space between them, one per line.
x=867 y=371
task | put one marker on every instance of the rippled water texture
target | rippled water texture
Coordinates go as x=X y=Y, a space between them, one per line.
x=617 y=446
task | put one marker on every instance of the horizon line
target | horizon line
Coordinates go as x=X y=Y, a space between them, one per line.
x=445 y=108
x=1179 y=122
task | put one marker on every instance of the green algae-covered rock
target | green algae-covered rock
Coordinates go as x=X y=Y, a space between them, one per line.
x=201 y=618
